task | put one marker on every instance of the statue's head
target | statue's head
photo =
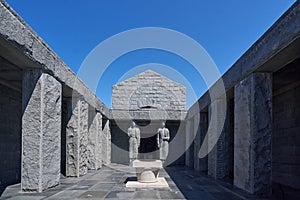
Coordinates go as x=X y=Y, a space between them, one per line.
x=133 y=124
x=163 y=124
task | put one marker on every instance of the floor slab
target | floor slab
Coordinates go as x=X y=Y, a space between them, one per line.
x=110 y=183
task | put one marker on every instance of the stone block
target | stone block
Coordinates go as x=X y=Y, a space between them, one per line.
x=197 y=141
x=41 y=129
x=203 y=131
x=95 y=141
x=148 y=89
x=252 y=134
x=106 y=143
x=218 y=160
x=77 y=138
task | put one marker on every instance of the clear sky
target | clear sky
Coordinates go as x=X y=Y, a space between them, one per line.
x=225 y=29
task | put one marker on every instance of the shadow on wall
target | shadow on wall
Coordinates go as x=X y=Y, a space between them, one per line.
x=148 y=146
x=10 y=133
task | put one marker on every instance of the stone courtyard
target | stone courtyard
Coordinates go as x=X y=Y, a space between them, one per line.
x=108 y=183
x=58 y=140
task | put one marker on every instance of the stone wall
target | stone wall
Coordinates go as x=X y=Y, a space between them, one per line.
x=10 y=133
x=286 y=127
x=148 y=90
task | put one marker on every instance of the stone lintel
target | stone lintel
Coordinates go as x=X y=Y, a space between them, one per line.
x=148 y=114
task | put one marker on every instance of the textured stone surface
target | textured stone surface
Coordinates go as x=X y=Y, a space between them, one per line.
x=218 y=158
x=148 y=90
x=189 y=145
x=217 y=167
x=41 y=127
x=147 y=114
x=197 y=141
x=77 y=138
x=203 y=130
x=95 y=140
x=106 y=141
x=252 y=134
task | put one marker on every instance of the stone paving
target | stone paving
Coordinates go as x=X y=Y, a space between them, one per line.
x=109 y=182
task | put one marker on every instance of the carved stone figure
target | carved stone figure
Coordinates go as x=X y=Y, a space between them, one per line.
x=163 y=137
x=134 y=141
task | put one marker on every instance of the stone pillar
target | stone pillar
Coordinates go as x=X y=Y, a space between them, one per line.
x=77 y=138
x=252 y=134
x=95 y=140
x=106 y=141
x=189 y=154
x=197 y=141
x=203 y=130
x=41 y=128
x=218 y=159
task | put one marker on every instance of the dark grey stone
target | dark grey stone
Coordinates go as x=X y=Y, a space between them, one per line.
x=252 y=134
x=146 y=194
x=120 y=195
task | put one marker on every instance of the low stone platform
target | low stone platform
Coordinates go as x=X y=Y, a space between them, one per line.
x=109 y=183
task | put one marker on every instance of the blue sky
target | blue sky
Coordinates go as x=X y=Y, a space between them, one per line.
x=225 y=29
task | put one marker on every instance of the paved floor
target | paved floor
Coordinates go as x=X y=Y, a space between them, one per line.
x=108 y=183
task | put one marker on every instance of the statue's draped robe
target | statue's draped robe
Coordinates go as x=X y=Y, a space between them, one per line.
x=134 y=142
x=163 y=137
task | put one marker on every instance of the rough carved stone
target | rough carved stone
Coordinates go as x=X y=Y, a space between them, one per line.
x=148 y=90
x=203 y=130
x=252 y=134
x=41 y=127
x=106 y=143
x=77 y=138
x=197 y=141
x=94 y=141
x=218 y=160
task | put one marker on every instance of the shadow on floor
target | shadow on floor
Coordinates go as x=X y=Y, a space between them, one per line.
x=196 y=185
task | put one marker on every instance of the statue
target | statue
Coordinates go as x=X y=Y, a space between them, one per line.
x=163 y=137
x=134 y=141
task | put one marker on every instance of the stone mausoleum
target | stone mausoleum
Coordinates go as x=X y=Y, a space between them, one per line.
x=52 y=125
x=147 y=98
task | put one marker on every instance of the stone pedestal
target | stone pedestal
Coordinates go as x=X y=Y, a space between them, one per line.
x=95 y=140
x=252 y=134
x=41 y=128
x=77 y=138
x=147 y=171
